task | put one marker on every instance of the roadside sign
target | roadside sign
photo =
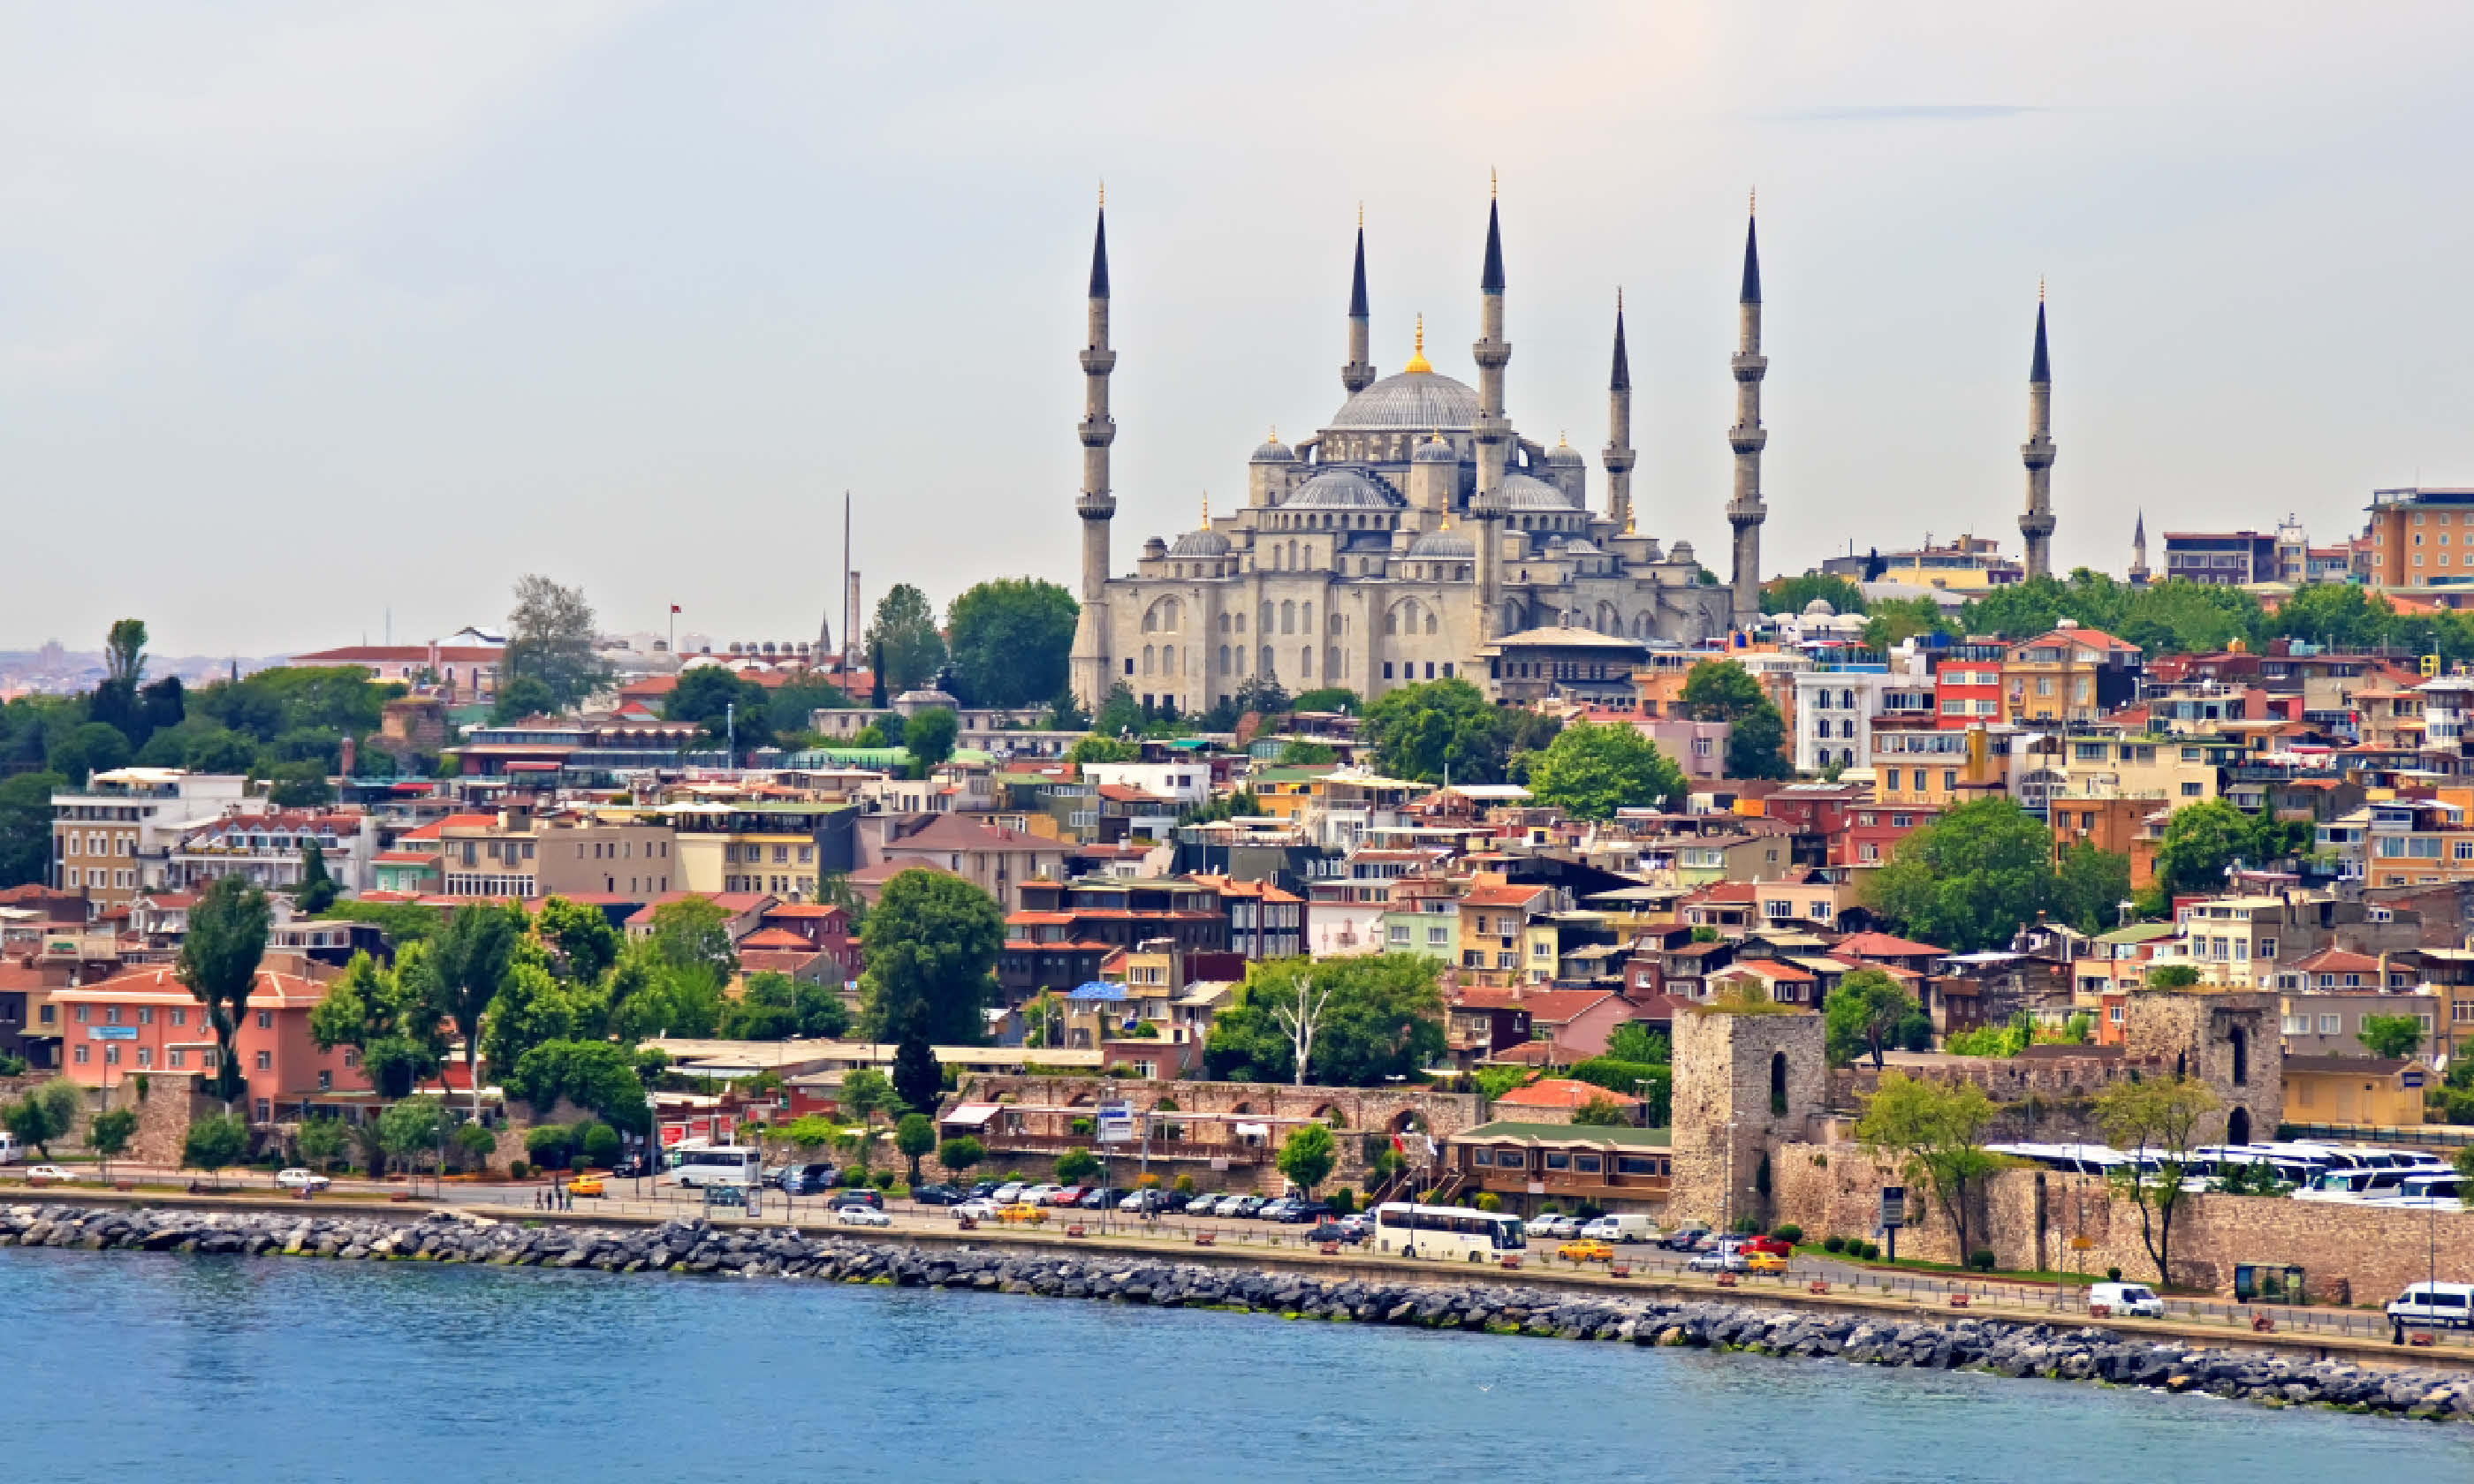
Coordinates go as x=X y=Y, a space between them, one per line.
x=2082 y=1243
x=1894 y=1208
x=1116 y=1123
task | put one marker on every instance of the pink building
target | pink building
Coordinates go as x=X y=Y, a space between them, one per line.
x=146 y=1021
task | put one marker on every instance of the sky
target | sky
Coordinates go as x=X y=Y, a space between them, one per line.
x=316 y=317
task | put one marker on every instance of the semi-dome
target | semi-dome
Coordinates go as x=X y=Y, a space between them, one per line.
x=1409 y=399
x=1582 y=546
x=1442 y=543
x=1200 y=543
x=1339 y=489
x=1522 y=493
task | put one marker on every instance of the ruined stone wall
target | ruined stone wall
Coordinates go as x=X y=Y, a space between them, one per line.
x=2230 y=1042
x=1743 y=1085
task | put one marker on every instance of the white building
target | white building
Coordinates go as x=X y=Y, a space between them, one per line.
x=1836 y=703
x=115 y=838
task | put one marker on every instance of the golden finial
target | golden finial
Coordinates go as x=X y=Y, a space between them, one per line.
x=1206 y=510
x=1103 y=193
x=2040 y=288
x=1418 y=360
x=1361 y=216
x=1562 y=438
x=1628 y=520
x=1275 y=432
x=1753 y=201
x=1493 y=184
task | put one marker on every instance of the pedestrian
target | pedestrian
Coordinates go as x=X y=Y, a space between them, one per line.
x=2396 y=1324
x=537 y=1198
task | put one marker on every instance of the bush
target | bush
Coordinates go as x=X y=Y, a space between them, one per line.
x=1344 y=1201
x=1789 y=1233
x=518 y=1169
x=883 y=1180
x=1833 y=1244
x=852 y=1176
x=1185 y=1184
x=600 y=1144
x=1872 y=1252
x=1487 y=1201
x=2113 y=1275
x=1981 y=1259
x=1749 y=1226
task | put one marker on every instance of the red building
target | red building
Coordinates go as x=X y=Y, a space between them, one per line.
x=1967 y=692
x=1873 y=832
x=146 y=1021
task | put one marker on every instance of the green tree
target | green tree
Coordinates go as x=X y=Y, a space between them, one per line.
x=551 y=639
x=1371 y=1018
x=1602 y=1112
x=600 y=1143
x=1074 y=1166
x=1863 y=1014
x=218 y=964
x=26 y=827
x=1790 y=594
x=728 y=706
x=904 y=640
x=1894 y=621
x=2201 y=841
x=929 y=737
x=1634 y=1041
x=549 y=1145
x=918 y=1079
x=775 y=1007
x=1970 y=882
x=582 y=938
x=214 y=1143
x=961 y=1153
x=2089 y=886
x=109 y=1135
x=692 y=934
x=322 y=1141
x=532 y=1007
x=1936 y=1133
x=2396 y=1038
x=124 y=652
x=473 y=1141
x=2463 y=1163
x=1094 y=747
x=48 y=1111
x=1652 y=1082
x=932 y=948
x=1590 y=771
x=469 y=961
x=914 y=1137
x=2172 y=976
x=864 y=1093
x=413 y=1129
x=1012 y=640
x=1306 y=755
x=1307 y=1156
x=96 y=747
x=1121 y=715
x=1723 y=690
x=387 y=1013
x=1438 y=728
x=521 y=699
x=318 y=889
x=2156 y=1115
x=596 y=1075
x=1328 y=698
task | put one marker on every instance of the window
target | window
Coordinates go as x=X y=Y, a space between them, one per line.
x=1555 y=1159
x=266 y=1020
x=265 y=1059
x=1588 y=1164
x=2330 y=1025
x=1510 y=1159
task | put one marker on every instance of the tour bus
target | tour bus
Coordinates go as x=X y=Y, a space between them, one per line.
x=2428 y=1190
x=2367 y=1184
x=1446 y=1233
x=696 y=1166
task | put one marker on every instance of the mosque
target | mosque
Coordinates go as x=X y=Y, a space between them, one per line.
x=1415 y=536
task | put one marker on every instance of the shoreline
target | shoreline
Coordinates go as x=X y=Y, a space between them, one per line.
x=1997 y=1346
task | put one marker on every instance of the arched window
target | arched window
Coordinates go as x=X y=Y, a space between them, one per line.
x=1306 y=663
x=1288 y=617
x=1269 y=669
x=1846 y=699
x=1430 y=620
x=1392 y=621
x=1241 y=623
x=1224 y=658
x=1146 y=659
x=1305 y=619
x=2242 y=1062
x=1778 y=1084
x=2238 y=1126
x=1151 y=620
x=1266 y=616
x=1223 y=628
x=1168 y=659
x=1847 y=727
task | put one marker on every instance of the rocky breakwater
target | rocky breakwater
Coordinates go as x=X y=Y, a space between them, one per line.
x=1999 y=1347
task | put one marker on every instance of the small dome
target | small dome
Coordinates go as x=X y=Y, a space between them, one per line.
x=1582 y=546
x=1274 y=452
x=1563 y=456
x=1819 y=608
x=1339 y=489
x=1522 y=493
x=1681 y=551
x=1200 y=543
x=1442 y=544
x=1434 y=451
x=1154 y=548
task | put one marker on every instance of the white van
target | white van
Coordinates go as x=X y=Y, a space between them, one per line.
x=2435 y=1305
x=2137 y=1299
x=11 y=1150
x=1627 y=1228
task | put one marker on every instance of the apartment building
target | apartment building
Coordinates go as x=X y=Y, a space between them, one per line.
x=1500 y=942
x=2071 y=674
x=2419 y=541
x=145 y=1021
x=114 y=837
x=271 y=849
x=752 y=844
x=2127 y=826
x=518 y=853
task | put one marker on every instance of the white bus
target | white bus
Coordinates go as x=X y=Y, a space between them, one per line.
x=693 y=1166
x=1446 y=1233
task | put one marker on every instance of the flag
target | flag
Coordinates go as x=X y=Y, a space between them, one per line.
x=674 y=607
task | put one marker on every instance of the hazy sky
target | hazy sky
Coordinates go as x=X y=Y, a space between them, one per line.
x=307 y=310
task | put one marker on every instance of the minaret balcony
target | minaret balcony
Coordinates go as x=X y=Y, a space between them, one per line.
x=1097 y=361
x=1749 y=367
x=1747 y=513
x=1744 y=439
x=1097 y=432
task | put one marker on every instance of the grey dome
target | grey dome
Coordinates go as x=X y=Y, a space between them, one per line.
x=1434 y=451
x=1409 y=399
x=1819 y=608
x=1522 y=493
x=1442 y=543
x=1274 y=452
x=1200 y=543
x=1563 y=456
x=1582 y=546
x=1339 y=489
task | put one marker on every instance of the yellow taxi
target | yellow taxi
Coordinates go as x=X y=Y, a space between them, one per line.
x=1024 y=1211
x=585 y=1185
x=1764 y=1262
x=1587 y=1250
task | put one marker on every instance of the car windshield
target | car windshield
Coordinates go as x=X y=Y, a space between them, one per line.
x=1515 y=1235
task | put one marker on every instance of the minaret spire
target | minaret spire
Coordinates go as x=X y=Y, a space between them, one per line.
x=1492 y=430
x=1097 y=504
x=2139 y=551
x=1359 y=373
x=2036 y=523
x=1746 y=510
x=1619 y=455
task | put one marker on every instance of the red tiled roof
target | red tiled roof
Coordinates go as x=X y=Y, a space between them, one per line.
x=2337 y=961
x=1883 y=946
x=775 y=938
x=1545 y=1007
x=274 y=991
x=1562 y=1092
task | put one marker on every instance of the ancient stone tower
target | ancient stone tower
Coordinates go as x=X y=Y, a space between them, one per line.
x=1743 y=1083
x=2228 y=1042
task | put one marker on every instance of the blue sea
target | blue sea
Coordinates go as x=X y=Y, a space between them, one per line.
x=134 y=1367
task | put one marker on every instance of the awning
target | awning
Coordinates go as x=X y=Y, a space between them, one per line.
x=1253 y=1131
x=970 y=1115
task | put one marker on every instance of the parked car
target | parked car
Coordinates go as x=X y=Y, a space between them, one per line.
x=1141 y=1200
x=47 y=1175
x=1023 y=1213
x=1764 y=1262
x=1768 y=1244
x=1626 y=1228
x=1728 y=1262
x=859 y=1195
x=1193 y=1202
x=772 y=1175
x=632 y=1167
x=1100 y=1198
x=936 y=1195
x=585 y=1185
x=2140 y=1300
x=1038 y=1194
x=1068 y=1195
x=808 y=1179
x=1306 y=1210
x=1553 y=1224
x=1275 y=1211
x=984 y=1190
x=1684 y=1238
x=1359 y=1226
x=1247 y=1208
x=725 y=1195
x=301 y=1179
x=1009 y=1192
x=857 y=1215
x=2435 y=1305
x=1587 y=1249
x=980 y=1209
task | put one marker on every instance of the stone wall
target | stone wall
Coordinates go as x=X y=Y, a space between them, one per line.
x=2229 y=1041
x=164 y=1111
x=1745 y=1084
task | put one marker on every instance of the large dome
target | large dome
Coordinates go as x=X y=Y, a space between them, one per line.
x=1200 y=543
x=1522 y=492
x=1339 y=489
x=1409 y=399
x=1442 y=543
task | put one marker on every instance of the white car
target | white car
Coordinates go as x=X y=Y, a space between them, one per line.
x=47 y=1175
x=1037 y=1195
x=982 y=1210
x=1553 y=1226
x=301 y=1179
x=1004 y=1194
x=863 y=1217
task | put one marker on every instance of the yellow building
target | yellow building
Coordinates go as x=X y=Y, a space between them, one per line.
x=2069 y=675
x=1496 y=946
x=2137 y=765
x=2365 y=1091
x=746 y=845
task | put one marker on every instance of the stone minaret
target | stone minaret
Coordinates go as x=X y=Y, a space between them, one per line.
x=1746 y=511
x=1493 y=429
x=1359 y=373
x=1097 y=506
x=2036 y=526
x=1618 y=455
x=2139 y=551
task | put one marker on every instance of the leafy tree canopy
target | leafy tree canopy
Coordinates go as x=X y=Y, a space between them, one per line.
x=1383 y=1018
x=1012 y=638
x=551 y=639
x=1970 y=882
x=932 y=946
x=905 y=639
x=1591 y=771
x=1437 y=728
x=1790 y=594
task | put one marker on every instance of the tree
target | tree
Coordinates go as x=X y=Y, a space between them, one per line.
x=2396 y=1038
x=1096 y=748
x=728 y=706
x=1074 y=1166
x=775 y=1007
x=473 y=1141
x=1970 y=882
x=96 y=747
x=1652 y=1082
x=1378 y=1017
x=2172 y=976
x=1894 y=621
x=864 y=1093
x=914 y=1137
x=26 y=827
x=598 y=1075
x=551 y=639
x=1436 y=728
x=1634 y=1041
x=904 y=638
x=322 y=1141
x=1590 y=771
x=585 y=942
x=48 y=1111
x=918 y=1079
x=932 y=948
x=218 y=964
x=1863 y=1014
x=532 y=1007
x=1011 y=639
x=1936 y=1133
x=549 y=1144
x=929 y=737
x=109 y=1135
x=1120 y=713
x=1790 y=594
x=214 y=1143
x=961 y=1153
x=2464 y=1162
x=124 y=652
x=600 y=1143
x=692 y=934
x=1602 y=1112
x=1327 y=698
x=469 y=961
x=318 y=889
x=1723 y=690
x=520 y=699
x=2201 y=841
x=389 y=1015
x=1306 y=755
x=2155 y=1116
x=1307 y=1156
x=413 y=1127
x=2089 y=886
